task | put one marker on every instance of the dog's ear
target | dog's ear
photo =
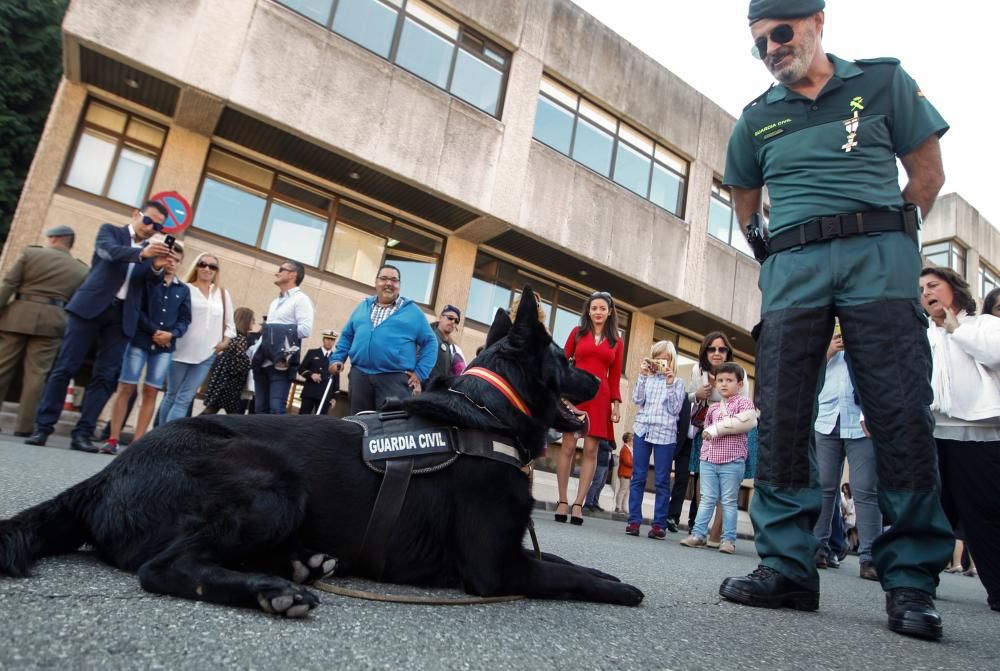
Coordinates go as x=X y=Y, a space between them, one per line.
x=527 y=329
x=499 y=328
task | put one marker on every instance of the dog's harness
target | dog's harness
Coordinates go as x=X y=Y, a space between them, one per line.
x=398 y=447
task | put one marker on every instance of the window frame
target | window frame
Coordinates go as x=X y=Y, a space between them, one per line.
x=986 y=273
x=954 y=251
x=617 y=138
x=719 y=194
x=558 y=288
x=272 y=195
x=121 y=141
x=458 y=42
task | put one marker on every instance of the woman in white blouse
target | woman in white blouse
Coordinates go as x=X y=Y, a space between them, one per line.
x=211 y=328
x=965 y=351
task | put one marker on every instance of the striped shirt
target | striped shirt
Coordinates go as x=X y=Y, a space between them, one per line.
x=659 y=405
x=726 y=449
x=382 y=312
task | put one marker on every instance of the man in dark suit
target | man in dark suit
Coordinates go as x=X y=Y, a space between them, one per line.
x=315 y=369
x=104 y=309
x=32 y=319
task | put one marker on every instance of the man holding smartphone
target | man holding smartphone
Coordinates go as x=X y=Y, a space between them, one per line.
x=105 y=309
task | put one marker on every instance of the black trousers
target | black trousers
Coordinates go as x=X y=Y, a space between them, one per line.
x=368 y=392
x=970 y=472
x=309 y=405
x=681 y=475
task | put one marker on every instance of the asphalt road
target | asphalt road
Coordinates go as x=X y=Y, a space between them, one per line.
x=78 y=613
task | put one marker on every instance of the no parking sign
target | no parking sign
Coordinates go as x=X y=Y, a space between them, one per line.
x=179 y=214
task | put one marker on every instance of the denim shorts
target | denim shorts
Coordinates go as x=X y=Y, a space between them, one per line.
x=137 y=358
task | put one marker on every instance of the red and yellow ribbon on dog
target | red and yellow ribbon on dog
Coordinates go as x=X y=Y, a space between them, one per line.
x=501 y=385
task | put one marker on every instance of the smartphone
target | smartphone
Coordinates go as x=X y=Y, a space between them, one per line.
x=169 y=241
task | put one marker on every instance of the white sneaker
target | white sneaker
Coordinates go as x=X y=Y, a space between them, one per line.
x=728 y=547
x=712 y=544
x=693 y=541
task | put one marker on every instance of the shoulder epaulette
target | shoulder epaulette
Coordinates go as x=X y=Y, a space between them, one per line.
x=883 y=59
x=758 y=98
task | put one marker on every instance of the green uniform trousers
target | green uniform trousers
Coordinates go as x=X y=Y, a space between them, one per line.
x=34 y=354
x=871 y=282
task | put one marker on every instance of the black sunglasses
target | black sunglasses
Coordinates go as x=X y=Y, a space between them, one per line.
x=782 y=34
x=720 y=350
x=602 y=294
x=452 y=318
x=149 y=222
x=212 y=266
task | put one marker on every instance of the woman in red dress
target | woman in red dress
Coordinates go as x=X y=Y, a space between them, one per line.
x=596 y=348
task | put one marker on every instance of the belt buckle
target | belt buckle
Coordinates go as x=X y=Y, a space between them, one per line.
x=831 y=227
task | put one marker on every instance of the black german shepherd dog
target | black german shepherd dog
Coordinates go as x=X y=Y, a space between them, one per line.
x=243 y=510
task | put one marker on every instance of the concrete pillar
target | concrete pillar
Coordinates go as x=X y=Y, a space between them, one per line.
x=181 y=162
x=456 y=274
x=46 y=170
x=640 y=339
x=699 y=193
x=519 y=123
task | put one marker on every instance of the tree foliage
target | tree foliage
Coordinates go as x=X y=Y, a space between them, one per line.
x=30 y=67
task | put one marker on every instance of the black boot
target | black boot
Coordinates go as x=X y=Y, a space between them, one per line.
x=37 y=438
x=83 y=444
x=767 y=588
x=911 y=612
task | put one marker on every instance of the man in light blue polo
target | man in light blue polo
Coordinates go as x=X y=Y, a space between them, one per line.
x=390 y=344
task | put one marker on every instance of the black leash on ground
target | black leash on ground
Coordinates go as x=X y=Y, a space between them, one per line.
x=429 y=600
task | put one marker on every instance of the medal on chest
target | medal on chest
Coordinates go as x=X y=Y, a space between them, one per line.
x=851 y=124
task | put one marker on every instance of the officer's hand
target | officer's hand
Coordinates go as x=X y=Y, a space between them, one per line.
x=315 y=377
x=154 y=249
x=336 y=367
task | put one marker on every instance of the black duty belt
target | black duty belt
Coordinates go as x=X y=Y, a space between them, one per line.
x=44 y=300
x=846 y=225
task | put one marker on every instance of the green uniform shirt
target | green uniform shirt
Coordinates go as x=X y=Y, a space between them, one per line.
x=803 y=149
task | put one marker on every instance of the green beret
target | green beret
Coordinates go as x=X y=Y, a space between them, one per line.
x=60 y=232
x=783 y=9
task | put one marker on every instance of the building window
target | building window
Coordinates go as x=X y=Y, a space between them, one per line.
x=416 y=36
x=496 y=283
x=574 y=126
x=989 y=280
x=259 y=207
x=115 y=154
x=722 y=223
x=948 y=254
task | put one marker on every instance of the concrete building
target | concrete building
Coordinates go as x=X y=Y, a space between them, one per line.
x=477 y=145
x=957 y=236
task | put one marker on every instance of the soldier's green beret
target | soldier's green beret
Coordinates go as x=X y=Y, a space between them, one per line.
x=60 y=232
x=783 y=9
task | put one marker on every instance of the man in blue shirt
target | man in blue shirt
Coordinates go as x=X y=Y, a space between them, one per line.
x=390 y=343
x=839 y=434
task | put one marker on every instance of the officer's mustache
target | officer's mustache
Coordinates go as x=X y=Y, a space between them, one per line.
x=779 y=54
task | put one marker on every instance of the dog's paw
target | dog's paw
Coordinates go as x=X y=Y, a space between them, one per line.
x=629 y=595
x=287 y=600
x=313 y=567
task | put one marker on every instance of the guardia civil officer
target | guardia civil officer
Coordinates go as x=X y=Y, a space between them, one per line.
x=824 y=140
x=33 y=296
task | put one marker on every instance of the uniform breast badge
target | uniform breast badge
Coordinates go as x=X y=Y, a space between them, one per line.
x=851 y=124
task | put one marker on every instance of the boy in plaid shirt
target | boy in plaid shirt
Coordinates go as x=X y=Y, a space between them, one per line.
x=723 y=457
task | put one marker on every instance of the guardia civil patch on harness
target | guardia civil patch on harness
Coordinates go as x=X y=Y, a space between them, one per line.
x=408 y=443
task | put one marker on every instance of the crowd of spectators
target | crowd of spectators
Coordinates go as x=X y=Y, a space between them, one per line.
x=184 y=336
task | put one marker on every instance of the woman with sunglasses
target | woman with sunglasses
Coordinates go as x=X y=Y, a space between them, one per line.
x=595 y=347
x=715 y=351
x=210 y=331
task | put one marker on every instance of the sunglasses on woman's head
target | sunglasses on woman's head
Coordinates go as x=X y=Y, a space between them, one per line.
x=210 y=266
x=782 y=34
x=720 y=350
